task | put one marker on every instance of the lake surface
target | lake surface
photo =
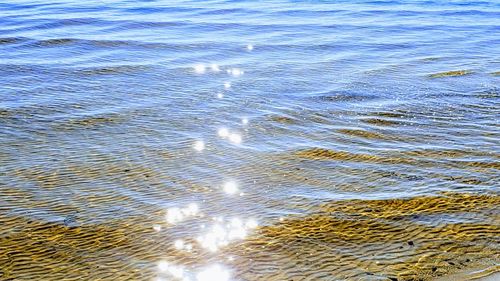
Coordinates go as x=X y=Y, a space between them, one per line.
x=249 y=140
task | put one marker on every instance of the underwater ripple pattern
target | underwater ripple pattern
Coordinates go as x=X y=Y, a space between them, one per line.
x=369 y=151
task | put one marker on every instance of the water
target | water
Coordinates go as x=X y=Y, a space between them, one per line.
x=227 y=140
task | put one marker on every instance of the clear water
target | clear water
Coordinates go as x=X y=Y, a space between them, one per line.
x=105 y=106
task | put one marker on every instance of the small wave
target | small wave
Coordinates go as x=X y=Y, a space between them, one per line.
x=452 y=73
x=363 y=134
x=343 y=96
x=377 y=239
x=56 y=42
x=328 y=154
x=413 y=159
x=381 y=122
x=89 y=122
x=448 y=153
x=282 y=119
x=112 y=69
x=11 y=40
x=390 y=114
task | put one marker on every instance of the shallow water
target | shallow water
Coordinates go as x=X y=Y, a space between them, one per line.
x=361 y=140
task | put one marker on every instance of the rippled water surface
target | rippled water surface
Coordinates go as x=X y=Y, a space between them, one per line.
x=245 y=140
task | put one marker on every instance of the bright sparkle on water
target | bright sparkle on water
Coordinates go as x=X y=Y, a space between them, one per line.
x=175 y=214
x=199 y=68
x=214 y=67
x=230 y=187
x=213 y=273
x=251 y=223
x=223 y=132
x=170 y=269
x=235 y=138
x=192 y=209
x=235 y=72
x=224 y=232
x=199 y=145
x=179 y=244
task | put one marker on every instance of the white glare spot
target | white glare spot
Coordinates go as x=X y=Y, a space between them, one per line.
x=179 y=244
x=163 y=266
x=213 y=273
x=223 y=232
x=176 y=271
x=157 y=227
x=251 y=223
x=237 y=233
x=173 y=270
x=193 y=208
x=227 y=85
x=215 y=67
x=236 y=72
x=199 y=68
x=244 y=121
x=220 y=95
x=250 y=47
x=199 y=145
x=235 y=138
x=230 y=187
x=236 y=222
x=223 y=132
x=175 y=215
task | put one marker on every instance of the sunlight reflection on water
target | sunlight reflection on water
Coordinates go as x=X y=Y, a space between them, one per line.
x=175 y=215
x=336 y=111
x=220 y=233
x=199 y=145
x=224 y=232
x=199 y=68
x=215 y=272
x=214 y=67
x=230 y=187
x=223 y=132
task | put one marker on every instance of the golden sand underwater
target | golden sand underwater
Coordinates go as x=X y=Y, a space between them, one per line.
x=419 y=238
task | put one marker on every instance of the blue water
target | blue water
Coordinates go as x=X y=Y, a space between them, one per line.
x=114 y=109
